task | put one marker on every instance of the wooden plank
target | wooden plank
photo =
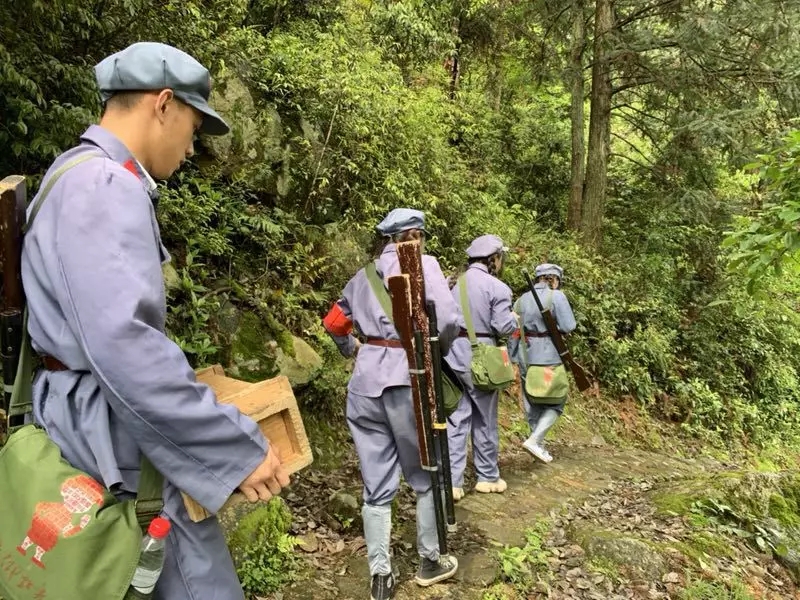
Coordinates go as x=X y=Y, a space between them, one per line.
x=271 y=404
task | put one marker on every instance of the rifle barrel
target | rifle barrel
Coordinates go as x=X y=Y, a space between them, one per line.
x=419 y=348
x=440 y=429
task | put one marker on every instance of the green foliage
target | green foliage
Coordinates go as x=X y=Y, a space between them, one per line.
x=262 y=550
x=344 y=110
x=715 y=590
x=521 y=565
x=769 y=242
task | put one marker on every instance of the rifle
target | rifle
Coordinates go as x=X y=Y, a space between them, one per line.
x=440 y=424
x=578 y=373
x=12 y=222
x=413 y=327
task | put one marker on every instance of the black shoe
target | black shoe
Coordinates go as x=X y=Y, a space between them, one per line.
x=383 y=587
x=431 y=572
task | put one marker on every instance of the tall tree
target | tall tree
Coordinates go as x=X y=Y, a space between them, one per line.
x=576 y=116
x=599 y=125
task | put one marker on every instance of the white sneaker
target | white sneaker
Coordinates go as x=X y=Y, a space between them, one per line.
x=531 y=446
x=458 y=494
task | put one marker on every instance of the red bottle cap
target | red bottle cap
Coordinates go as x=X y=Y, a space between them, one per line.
x=159 y=528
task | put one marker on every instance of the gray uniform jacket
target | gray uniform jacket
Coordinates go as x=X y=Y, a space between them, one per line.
x=378 y=368
x=490 y=306
x=541 y=350
x=91 y=267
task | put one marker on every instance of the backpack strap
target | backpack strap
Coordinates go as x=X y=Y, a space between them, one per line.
x=462 y=288
x=376 y=283
x=149 y=498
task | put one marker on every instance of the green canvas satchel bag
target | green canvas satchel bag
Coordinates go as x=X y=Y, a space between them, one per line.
x=491 y=367
x=452 y=393
x=63 y=535
x=546 y=384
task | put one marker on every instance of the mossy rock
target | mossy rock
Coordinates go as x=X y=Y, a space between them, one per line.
x=634 y=557
x=253 y=357
x=254 y=151
x=679 y=497
x=301 y=366
x=764 y=504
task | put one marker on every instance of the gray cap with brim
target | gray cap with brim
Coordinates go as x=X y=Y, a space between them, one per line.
x=147 y=66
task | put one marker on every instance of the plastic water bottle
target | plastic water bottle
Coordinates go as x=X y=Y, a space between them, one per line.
x=151 y=561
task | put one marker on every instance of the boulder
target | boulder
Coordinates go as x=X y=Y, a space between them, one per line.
x=300 y=368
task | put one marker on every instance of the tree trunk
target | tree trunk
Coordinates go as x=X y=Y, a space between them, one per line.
x=455 y=67
x=599 y=127
x=576 y=117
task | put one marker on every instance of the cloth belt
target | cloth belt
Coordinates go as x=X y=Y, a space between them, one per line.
x=463 y=333
x=53 y=364
x=384 y=343
x=536 y=334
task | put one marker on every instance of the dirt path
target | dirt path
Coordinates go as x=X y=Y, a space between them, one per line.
x=487 y=523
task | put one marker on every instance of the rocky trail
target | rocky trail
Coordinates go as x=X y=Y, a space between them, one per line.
x=604 y=520
x=596 y=523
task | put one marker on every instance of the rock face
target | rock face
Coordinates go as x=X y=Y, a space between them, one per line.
x=252 y=356
x=257 y=352
x=254 y=150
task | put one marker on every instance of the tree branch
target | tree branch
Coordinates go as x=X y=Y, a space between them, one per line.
x=642 y=154
x=632 y=84
x=633 y=160
x=643 y=13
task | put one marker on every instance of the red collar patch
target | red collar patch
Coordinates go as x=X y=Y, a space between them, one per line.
x=131 y=166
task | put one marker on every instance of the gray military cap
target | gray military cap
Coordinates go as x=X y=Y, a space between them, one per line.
x=486 y=245
x=147 y=66
x=548 y=269
x=401 y=219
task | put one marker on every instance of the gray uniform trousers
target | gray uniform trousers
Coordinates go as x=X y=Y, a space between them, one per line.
x=384 y=431
x=477 y=415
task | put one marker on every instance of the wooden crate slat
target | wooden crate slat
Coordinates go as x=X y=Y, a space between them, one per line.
x=271 y=404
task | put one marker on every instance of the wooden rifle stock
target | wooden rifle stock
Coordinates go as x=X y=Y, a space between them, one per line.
x=409 y=255
x=400 y=290
x=413 y=343
x=12 y=221
x=581 y=380
x=410 y=258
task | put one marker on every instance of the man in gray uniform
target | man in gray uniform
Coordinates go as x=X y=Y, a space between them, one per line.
x=540 y=350
x=380 y=412
x=113 y=385
x=490 y=306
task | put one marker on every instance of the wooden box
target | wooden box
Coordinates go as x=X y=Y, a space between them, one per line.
x=271 y=404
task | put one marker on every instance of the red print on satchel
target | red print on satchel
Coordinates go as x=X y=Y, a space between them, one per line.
x=52 y=520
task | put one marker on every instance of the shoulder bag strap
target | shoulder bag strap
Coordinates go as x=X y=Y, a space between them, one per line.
x=379 y=290
x=462 y=288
